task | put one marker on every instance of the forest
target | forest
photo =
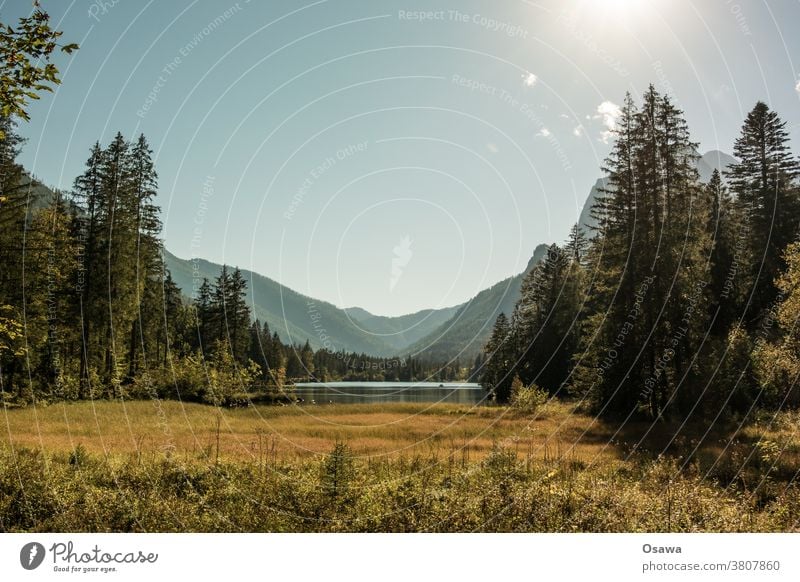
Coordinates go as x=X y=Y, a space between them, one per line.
x=683 y=301
x=90 y=310
x=643 y=382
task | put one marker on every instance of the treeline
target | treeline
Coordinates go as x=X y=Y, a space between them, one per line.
x=88 y=308
x=684 y=300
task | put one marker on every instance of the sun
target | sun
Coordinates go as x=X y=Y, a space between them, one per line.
x=604 y=12
x=617 y=7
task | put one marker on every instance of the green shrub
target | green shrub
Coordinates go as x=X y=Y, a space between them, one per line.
x=527 y=399
x=41 y=492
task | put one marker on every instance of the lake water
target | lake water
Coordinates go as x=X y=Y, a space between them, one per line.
x=374 y=392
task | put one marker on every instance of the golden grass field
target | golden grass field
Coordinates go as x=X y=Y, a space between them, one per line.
x=168 y=466
x=558 y=430
x=288 y=432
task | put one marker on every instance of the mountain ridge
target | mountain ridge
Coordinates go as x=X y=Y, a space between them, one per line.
x=443 y=334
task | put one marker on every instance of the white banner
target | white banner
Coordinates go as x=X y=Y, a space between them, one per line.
x=379 y=557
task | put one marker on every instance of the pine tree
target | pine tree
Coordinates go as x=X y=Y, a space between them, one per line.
x=498 y=366
x=118 y=265
x=173 y=332
x=87 y=195
x=218 y=325
x=577 y=245
x=148 y=267
x=204 y=315
x=648 y=299
x=767 y=199
x=721 y=225
x=544 y=328
x=238 y=315
x=50 y=300
x=307 y=360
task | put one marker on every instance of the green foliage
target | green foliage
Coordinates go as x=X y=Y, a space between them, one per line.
x=527 y=399
x=767 y=200
x=11 y=334
x=152 y=493
x=227 y=377
x=733 y=387
x=651 y=268
x=25 y=67
x=544 y=323
x=669 y=309
x=499 y=360
x=337 y=472
x=777 y=363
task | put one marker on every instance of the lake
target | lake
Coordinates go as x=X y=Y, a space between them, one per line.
x=374 y=392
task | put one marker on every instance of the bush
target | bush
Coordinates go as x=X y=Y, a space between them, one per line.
x=184 y=379
x=527 y=398
x=337 y=472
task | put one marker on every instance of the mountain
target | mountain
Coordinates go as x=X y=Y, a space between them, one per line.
x=714 y=160
x=297 y=317
x=440 y=334
x=400 y=332
x=706 y=164
x=465 y=333
x=586 y=220
x=294 y=316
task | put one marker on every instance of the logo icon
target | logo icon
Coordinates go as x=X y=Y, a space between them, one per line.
x=31 y=555
x=402 y=256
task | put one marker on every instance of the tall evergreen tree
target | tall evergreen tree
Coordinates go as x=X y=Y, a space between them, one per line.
x=87 y=195
x=649 y=301
x=545 y=330
x=499 y=364
x=767 y=198
x=148 y=268
x=722 y=226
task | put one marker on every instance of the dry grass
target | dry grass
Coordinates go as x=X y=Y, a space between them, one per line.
x=391 y=430
x=767 y=444
x=145 y=466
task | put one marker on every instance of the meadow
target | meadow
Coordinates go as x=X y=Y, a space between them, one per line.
x=168 y=466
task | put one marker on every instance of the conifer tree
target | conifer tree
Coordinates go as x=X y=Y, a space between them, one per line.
x=767 y=199
x=651 y=264
x=498 y=365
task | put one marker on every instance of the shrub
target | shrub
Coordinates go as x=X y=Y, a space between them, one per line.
x=527 y=398
x=337 y=472
x=184 y=378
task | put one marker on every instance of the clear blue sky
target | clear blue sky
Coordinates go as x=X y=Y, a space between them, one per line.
x=360 y=153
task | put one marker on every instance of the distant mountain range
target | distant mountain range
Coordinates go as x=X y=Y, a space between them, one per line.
x=446 y=333
x=441 y=334
x=294 y=316
x=464 y=335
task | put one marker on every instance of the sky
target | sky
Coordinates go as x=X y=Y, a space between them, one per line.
x=392 y=155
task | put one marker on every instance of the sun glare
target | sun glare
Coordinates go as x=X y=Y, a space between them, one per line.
x=605 y=13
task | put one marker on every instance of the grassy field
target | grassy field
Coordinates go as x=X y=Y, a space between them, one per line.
x=291 y=432
x=166 y=466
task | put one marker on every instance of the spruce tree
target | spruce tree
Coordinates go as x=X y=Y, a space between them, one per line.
x=88 y=197
x=544 y=322
x=767 y=199
x=722 y=226
x=498 y=365
x=648 y=306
